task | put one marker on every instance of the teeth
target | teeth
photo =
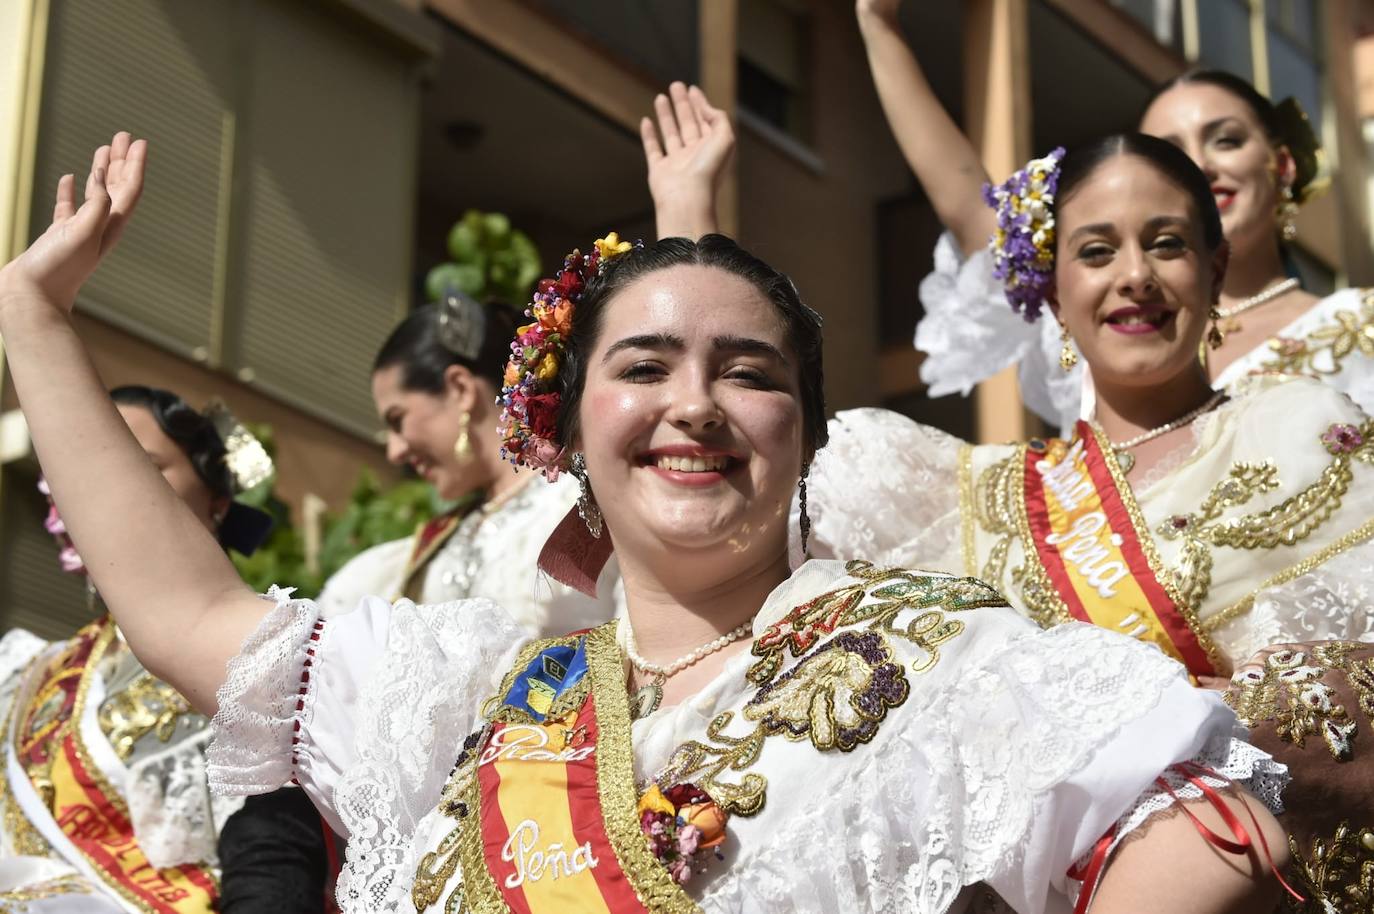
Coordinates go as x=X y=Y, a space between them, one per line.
x=1131 y=320
x=691 y=464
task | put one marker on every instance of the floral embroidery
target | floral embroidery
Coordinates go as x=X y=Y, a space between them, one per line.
x=841 y=689
x=837 y=696
x=1327 y=346
x=1342 y=438
x=146 y=707
x=1290 y=691
x=1337 y=875
x=16 y=901
x=1284 y=524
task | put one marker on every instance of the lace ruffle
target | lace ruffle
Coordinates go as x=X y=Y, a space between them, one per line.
x=175 y=817
x=969 y=333
x=906 y=513
x=260 y=702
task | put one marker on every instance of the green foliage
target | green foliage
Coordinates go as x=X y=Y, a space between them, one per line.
x=491 y=260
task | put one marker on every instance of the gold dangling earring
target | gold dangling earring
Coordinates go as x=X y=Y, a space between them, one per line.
x=462 y=448
x=1288 y=213
x=1214 y=335
x=1067 y=356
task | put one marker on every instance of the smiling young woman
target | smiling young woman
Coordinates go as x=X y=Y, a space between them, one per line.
x=475 y=767
x=1233 y=533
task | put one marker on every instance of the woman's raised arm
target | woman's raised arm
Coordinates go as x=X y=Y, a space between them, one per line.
x=686 y=155
x=177 y=599
x=945 y=162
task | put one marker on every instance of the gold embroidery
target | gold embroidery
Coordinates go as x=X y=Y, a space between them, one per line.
x=1285 y=524
x=146 y=706
x=1289 y=690
x=803 y=703
x=967 y=500
x=1337 y=875
x=1349 y=330
x=24 y=838
x=16 y=901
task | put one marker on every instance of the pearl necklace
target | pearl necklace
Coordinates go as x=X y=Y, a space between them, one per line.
x=1122 y=449
x=1254 y=301
x=647 y=699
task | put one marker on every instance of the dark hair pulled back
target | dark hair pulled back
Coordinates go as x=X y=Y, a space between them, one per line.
x=802 y=326
x=193 y=432
x=1080 y=163
x=415 y=346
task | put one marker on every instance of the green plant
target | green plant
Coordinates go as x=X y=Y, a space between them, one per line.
x=490 y=260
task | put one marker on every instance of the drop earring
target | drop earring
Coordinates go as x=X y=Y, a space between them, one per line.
x=587 y=508
x=462 y=448
x=805 y=521
x=1214 y=335
x=1067 y=356
x=1288 y=213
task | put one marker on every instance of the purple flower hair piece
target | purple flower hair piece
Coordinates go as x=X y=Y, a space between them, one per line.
x=1022 y=247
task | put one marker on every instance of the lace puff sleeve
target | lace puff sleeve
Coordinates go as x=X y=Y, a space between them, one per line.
x=884 y=489
x=969 y=333
x=364 y=710
x=1058 y=736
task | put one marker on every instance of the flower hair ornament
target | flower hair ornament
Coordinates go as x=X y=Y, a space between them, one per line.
x=1023 y=246
x=530 y=399
x=530 y=403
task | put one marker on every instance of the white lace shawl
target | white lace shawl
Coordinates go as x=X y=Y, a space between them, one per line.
x=1008 y=761
x=888 y=487
x=478 y=560
x=969 y=333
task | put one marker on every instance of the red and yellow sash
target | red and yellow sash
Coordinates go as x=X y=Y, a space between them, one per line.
x=429 y=539
x=83 y=803
x=1092 y=546
x=547 y=805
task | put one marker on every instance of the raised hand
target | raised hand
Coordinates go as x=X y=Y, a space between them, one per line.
x=882 y=9
x=56 y=265
x=686 y=153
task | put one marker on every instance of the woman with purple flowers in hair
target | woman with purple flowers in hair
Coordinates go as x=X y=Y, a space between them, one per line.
x=1232 y=530
x=1261 y=160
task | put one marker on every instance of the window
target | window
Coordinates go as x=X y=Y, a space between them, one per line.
x=1224 y=36
x=774 y=64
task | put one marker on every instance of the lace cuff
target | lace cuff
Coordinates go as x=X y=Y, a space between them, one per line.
x=263 y=701
x=969 y=333
x=17 y=648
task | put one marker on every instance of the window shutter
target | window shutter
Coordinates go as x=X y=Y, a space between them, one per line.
x=160 y=70
x=329 y=147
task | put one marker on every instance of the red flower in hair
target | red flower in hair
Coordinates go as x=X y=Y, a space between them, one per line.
x=541 y=411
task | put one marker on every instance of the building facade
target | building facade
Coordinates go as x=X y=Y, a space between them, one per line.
x=309 y=157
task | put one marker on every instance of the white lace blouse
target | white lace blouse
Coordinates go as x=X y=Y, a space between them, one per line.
x=1007 y=755
x=969 y=333
x=899 y=492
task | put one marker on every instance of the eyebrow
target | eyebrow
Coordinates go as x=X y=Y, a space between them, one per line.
x=1208 y=128
x=1106 y=228
x=729 y=343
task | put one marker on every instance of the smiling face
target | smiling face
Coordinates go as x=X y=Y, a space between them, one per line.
x=690 y=417
x=422 y=428
x=1224 y=136
x=1134 y=279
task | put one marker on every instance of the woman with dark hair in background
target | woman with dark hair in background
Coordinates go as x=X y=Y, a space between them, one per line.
x=701 y=752
x=1261 y=161
x=1232 y=530
x=104 y=794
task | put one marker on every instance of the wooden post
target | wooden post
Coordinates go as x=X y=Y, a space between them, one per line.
x=718 y=27
x=1345 y=143
x=997 y=118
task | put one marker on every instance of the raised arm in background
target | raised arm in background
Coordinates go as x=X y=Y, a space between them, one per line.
x=173 y=592
x=949 y=168
x=687 y=161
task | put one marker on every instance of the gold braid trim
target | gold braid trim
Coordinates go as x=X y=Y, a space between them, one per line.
x=615 y=779
x=1347 y=542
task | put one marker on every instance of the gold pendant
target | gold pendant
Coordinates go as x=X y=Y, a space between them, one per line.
x=1125 y=460
x=646 y=699
x=1229 y=325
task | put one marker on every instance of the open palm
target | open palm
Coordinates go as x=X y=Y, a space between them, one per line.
x=56 y=265
x=696 y=143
